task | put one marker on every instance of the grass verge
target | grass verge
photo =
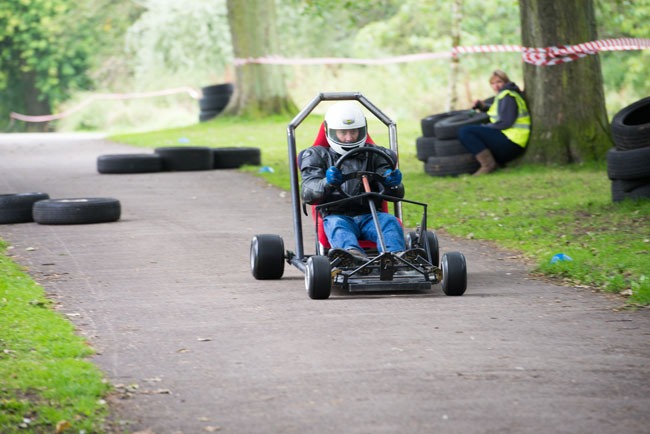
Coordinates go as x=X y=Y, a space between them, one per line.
x=538 y=211
x=46 y=383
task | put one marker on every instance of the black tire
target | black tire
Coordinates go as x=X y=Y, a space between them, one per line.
x=631 y=164
x=17 y=208
x=447 y=147
x=214 y=102
x=620 y=193
x=448 y=128
x=631 y=126
x=267 y=257
x=218 y=89
x=129 y=163
x=205 y=116
x=454 y=273
x=434 y=247
x=452 y=165
x=318 y=277
x=232 y=158
x=182 y=158
x=76 y=211
x=428 y=124
x=424 y=148
x=413 y=241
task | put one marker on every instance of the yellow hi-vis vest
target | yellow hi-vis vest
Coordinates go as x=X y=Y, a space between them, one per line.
x=520 y=131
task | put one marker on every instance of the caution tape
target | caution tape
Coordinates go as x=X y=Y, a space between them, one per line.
x=105 y=96
x=536 y=56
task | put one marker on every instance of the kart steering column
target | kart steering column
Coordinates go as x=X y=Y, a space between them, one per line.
x=373 y=211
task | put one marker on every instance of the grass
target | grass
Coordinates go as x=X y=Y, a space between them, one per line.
x=46 y=383
x=536 y=210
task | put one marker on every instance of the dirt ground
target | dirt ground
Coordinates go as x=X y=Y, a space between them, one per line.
x=194 y=344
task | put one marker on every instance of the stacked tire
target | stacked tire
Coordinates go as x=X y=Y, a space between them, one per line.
x=439 y=147
x=628 y=162
x=38 y=207
x=215 y=99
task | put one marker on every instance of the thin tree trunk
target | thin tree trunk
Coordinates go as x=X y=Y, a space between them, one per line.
x=260 y=90
x=454 y=67
x=35 y=103
x=566 y=101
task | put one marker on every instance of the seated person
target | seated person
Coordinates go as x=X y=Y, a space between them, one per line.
x=344 y=224
x=506 y=136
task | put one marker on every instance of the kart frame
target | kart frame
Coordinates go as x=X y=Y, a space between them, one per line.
x=351 y=279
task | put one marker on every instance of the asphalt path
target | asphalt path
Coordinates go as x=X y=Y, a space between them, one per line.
x=194 y=344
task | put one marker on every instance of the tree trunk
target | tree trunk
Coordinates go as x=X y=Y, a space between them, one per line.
x=260 y=90
x=35 y=103
x=456 y=18
x=566 y=101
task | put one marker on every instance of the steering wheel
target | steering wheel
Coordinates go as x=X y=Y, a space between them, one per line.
x=372 y=176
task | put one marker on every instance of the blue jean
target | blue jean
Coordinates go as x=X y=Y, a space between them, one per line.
x=343 y=231
x=477 y=138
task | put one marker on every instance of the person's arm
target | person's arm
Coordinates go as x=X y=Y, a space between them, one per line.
x=508 y=112
x=314 y=187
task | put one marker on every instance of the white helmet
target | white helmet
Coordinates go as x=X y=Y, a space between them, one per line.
x=345 y=116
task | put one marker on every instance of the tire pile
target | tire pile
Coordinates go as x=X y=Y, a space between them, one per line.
x=179 y=158
x=38 y=207
x=628 y=162
x=439 y=147
x=215 y=99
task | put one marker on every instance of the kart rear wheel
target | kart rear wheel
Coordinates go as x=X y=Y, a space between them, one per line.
x=318 y=277
x=267 y=257
x=454 y=273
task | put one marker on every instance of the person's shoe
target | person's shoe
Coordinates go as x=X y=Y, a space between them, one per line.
x=487 y=162
x=412 y=255
x=340 y=258
x=359 y=256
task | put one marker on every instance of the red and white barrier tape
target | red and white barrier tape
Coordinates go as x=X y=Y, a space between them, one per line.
x=105 y=96
x=537 y=56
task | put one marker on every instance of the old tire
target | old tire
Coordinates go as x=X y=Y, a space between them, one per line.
x=428 y=123
x=17 y=208
x=129 y=163
x=267 y=257
x=232 y=158
x=452 y=165
x=630 y=164
x=76 y=211
x=425 y=148
x=448 y=128
x=622 y=190
x=183 y=158
x=447 y=147
x=318 y=277
x=454 y=273
x=631 y=126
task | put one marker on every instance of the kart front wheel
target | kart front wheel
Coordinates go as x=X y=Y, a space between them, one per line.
x=454 y=273
x=430 y=238
x=267 y=257
x=318 y=277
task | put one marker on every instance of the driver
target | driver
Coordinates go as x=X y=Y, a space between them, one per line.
x=344 y=224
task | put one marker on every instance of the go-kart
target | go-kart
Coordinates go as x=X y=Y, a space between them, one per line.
x=381 y=271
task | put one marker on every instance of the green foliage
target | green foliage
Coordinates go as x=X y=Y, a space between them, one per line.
x=184 y=39
x=538 y=211
x=48 y=46
x=46 y=378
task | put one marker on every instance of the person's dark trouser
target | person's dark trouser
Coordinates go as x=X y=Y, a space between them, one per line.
x=477 y=138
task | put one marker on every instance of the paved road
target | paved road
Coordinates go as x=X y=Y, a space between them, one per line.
x=166 y=297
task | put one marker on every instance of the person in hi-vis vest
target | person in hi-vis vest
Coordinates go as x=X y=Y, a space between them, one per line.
x=505 y=137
